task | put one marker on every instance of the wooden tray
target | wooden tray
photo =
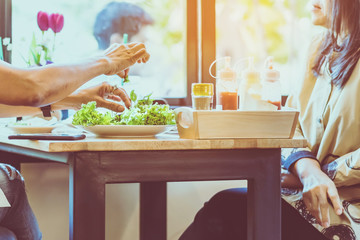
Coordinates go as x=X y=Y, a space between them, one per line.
x=194 y=124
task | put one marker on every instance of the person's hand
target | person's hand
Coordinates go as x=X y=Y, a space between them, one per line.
x=318 y=188
x=289 y=180
x=120 y=57
x=123 y=74
x=100 y=94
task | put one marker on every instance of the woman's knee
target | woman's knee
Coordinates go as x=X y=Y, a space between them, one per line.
x=228 y=200
x=217 y=218
x=233 y=194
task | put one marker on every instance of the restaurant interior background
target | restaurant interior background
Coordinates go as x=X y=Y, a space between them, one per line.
x=187 y=35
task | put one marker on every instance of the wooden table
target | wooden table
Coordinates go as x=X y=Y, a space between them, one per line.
x=152 y=162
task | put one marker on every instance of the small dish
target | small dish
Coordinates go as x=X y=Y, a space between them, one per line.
x=31 y=129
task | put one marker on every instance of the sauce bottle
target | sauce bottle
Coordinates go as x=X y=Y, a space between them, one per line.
x=227 y=88
x=271 y=85
x=250 y=88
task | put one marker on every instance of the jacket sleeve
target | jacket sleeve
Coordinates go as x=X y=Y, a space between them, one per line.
x=345 y=170
x=290 y=156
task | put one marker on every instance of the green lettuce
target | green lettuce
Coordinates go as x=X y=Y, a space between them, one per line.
x=143 y=112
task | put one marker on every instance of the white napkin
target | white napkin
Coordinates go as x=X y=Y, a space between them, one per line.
x=3 y=200
x=249 y=103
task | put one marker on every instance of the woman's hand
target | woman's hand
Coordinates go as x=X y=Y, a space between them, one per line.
x=316 y=192
x=99 y=94
x=318 y=188
x=120 y=57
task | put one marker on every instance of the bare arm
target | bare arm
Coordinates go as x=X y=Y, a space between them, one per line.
x=17 y=111
x=99 y=94
x=44 y=85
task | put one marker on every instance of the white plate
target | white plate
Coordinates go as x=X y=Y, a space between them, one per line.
x=128 y=130
x=31 y=129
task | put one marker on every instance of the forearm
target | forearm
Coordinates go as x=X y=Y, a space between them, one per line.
x=306 y=167
x=20 y=111
x=17 y=111
x=67 y=78
x=41 y=86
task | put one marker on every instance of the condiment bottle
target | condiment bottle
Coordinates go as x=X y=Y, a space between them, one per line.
x=202 y=96
x=271 y=85
x=227 y=88
x=250 y=88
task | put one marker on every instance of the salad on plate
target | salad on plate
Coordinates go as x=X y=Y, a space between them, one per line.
x=143 y=118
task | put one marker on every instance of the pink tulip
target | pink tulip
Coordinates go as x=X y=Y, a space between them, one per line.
x=56 y=22
x=43 y=21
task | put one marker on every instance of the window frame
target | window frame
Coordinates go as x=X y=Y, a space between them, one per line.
x=208 y=41
x=5 y=25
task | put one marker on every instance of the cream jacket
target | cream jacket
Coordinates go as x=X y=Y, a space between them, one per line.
x=330 y=121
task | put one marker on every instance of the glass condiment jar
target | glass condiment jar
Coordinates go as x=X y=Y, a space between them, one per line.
x=227 y=88
x=250 y=88
x=271 y=91
x=202 y=96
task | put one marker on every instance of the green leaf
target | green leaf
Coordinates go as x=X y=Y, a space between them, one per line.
x=126 y=79
x=33 y=42
x=144 y=112
x=133 y=96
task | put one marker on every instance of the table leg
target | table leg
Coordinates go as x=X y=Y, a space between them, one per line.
x=153 y=211
x=87 y=200
x=10 y=159
x=264 y=200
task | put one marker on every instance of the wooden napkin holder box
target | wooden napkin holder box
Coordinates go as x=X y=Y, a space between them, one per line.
x=193 y=124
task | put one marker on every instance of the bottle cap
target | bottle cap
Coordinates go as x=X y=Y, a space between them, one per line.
x=250 y=75
x=203 y=89
x=227 y=73
x=271 y=75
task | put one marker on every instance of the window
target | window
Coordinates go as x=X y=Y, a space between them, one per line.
x=259 y=28
x=165 y=33
x=183 y=40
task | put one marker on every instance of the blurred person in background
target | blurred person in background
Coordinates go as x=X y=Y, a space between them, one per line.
x=117 y=19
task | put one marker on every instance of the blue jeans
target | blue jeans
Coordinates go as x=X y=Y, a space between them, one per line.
x=224 y=217
x=19 y=218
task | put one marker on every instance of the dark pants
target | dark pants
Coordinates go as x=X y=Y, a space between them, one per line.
x=224 y=218
x=18 y=219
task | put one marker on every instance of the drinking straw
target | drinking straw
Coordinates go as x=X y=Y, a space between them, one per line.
x=1 y=50
x=125 y=38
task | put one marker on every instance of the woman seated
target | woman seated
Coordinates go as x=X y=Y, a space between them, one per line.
x=320 y=186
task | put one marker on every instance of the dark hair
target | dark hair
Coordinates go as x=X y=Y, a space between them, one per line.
x=119 y=17
x=345 y=22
